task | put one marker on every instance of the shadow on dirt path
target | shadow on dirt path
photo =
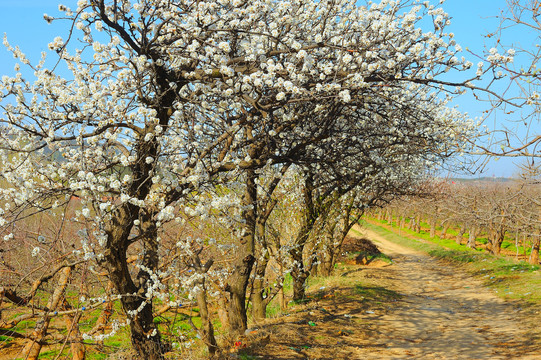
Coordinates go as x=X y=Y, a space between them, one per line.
x=427 y=309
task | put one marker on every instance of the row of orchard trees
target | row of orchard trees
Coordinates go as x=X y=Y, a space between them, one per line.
x=182 y=150
x=499 y=210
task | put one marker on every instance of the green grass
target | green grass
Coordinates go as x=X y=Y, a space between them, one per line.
x=273 y=309
x=244 y=356
x=382 y=257
x=508 y=243
x=96 y=356
x=24 y=325
x=288 y=283
x=51 y=354
x=5 y=339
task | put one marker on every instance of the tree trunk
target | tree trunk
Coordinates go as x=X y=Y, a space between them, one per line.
x=145 y=337
x=460 y=234
x=243 y=263
x=445 y=227
x=432 y=228
x=260 y=295
x=259 y=305
x=206 y=331
x=33 y=347
x=299 y=280
x=472 y=237
x=534 y=256
x=299 y=273
x=281 y=294
x=418 y=224
x=282 y=299
x=223 y=315
x=335 y=247
x=326 y=264
x=74 y=335
x=497 y=240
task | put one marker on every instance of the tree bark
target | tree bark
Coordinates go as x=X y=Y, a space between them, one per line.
x=242 y=268
x=206 y=331
x=33 y=347
x=326 y=264
x=77 y=346
x=238 y=320
x=445 y=227
x=260 y=296
x=432 y=228
x=534 y=256
x=299 y=275
x=418 y=224
x=497 y=238
x=145 y=337
x=259 y=305
x=460 y=234
x=299 y=272
x=223 y=315
x=472 y=237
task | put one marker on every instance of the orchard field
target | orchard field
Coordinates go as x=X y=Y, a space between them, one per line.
x=179 y=178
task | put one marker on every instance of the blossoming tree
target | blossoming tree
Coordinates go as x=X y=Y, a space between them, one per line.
x=162 y=100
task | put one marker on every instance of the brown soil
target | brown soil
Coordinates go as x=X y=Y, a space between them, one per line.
x=442 y=313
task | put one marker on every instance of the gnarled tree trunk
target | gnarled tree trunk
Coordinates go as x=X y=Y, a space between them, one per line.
x=496 y=239
x=444 y=227
x=259 y=305
x=145 y=337
x=244 y=261
x=206 y=331
x=460 y=234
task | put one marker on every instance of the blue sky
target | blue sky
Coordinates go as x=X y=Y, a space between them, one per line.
x=23 y=22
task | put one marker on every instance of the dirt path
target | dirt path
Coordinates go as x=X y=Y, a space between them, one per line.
x=446 y=314
x=442 y=313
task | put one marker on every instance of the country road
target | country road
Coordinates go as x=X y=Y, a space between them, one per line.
x=445 y=313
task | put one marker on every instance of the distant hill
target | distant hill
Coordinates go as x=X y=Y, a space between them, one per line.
x=483 y=179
